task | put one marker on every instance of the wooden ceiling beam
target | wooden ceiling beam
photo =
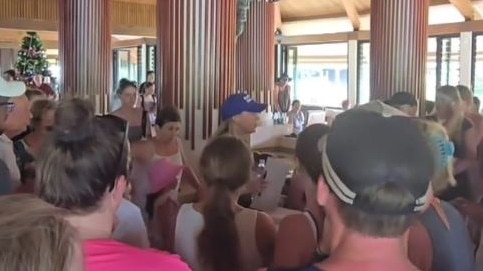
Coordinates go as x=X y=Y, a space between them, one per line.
x=278 y=16
x=352 y=13
x=466 y=8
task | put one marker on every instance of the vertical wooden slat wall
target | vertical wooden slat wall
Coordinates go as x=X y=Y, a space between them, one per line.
x=399 y=36
x=85 y=50
x=196 y=45
x=255 y=53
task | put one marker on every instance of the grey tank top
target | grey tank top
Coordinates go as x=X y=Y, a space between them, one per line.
x=452 y=248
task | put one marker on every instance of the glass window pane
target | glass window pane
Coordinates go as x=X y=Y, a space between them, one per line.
x=321 y=74
x=478 y=85
x=431 y=70
x=364 y=87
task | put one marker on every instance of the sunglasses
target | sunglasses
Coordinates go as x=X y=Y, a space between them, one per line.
x=120 y=126
x=8 y=105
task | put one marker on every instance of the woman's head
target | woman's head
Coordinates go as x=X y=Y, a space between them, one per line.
x=443 y=151
x=307 y=152
x=225 y=167
x=42 y=116
x=447 y=98
x=149 y=88
x=83 y=166
x=168 y=123
x=35 y=236
x=225 y=163
x=127 y=92
x=242 y=112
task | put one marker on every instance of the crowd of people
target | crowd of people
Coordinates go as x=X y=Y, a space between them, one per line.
x=379 y=189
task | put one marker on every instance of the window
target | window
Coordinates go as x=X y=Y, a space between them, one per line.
x=321 y=74
x=478 y=68
x=431 y=67
x=443 y=65
x=364 y=73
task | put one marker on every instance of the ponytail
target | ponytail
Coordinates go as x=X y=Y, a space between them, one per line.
x=218 y=242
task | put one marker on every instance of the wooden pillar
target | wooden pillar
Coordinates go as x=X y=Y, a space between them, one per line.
x=256 y=52
x=196 y=60
x=85 y=50
x=399 y=40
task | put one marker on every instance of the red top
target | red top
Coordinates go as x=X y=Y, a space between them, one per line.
x=104 y=255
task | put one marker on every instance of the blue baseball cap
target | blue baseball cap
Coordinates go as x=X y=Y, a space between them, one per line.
x=239 y=103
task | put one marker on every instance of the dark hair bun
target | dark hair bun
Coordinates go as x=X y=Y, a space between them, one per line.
x=125 y=83
x=74 y=121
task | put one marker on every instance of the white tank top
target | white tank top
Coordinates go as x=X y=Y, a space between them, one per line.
x=189 y=224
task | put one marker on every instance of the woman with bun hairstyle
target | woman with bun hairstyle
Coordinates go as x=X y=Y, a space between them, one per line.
x=83 y=169
x=217 y=234
x=128 y=94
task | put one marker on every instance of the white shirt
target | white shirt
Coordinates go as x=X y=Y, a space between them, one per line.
x=130 y=229
x=7 y=155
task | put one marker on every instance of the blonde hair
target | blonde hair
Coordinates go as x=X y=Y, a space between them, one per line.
x=34 y=235
x=443 y=178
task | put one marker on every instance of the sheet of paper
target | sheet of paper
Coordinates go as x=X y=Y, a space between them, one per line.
x=277 y=170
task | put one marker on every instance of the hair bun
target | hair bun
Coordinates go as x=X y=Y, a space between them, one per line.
x=74 y=121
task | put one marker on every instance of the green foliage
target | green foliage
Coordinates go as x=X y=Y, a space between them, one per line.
x=31 y=58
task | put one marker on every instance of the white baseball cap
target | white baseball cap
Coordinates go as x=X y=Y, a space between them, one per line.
x=12 y=88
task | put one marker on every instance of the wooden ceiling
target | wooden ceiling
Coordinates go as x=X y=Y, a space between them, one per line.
x=297 y=10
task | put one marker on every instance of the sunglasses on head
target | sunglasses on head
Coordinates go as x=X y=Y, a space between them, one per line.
x=120 y=126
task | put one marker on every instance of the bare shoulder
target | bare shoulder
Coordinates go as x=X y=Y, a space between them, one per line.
x=294 y=222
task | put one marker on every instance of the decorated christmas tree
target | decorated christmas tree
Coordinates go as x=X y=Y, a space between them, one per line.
x=31 y=58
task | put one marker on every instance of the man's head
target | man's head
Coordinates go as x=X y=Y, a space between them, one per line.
x=406 y=102
x=377 y=171
x=9 y=75
x=8 y=91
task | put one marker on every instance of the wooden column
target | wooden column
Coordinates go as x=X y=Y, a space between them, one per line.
x=196 y=60
x=85 y=50
x=256 y=53
x=399 y=39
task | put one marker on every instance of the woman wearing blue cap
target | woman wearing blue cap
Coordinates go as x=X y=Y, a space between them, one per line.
x=239 y=116
x=249 y=233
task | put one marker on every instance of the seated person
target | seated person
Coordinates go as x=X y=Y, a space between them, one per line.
x=305 y=247
x=83 y=168
x=296 y=118
x=372 y=190
x=217 y=234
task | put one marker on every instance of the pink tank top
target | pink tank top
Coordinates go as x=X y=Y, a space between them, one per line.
x=103 y=255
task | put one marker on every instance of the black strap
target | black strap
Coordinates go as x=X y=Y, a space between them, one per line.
x=144 y=118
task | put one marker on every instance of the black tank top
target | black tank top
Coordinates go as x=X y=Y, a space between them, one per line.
x=452 y=248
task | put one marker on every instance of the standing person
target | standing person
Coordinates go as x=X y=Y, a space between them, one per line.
x=149 y=104
x=405 y=102
x=12 y=118
x=296 y=117
x=450 y=112
x=283 y=93
x=150 y=78
x=35 y=236
x=372 y=189
x=128 y=111
x=216 y=234
x=42 y=123
x=240 y=118
x=83 y=169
